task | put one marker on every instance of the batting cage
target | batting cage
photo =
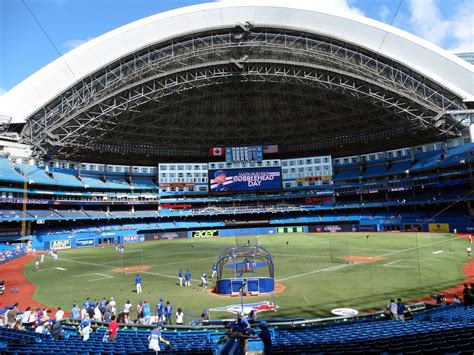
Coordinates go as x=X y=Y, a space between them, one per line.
x=245 y=268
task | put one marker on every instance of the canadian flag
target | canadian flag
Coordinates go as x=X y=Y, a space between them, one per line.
x=216 y=151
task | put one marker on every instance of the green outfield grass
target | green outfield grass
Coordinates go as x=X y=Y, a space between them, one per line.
x=311 y=267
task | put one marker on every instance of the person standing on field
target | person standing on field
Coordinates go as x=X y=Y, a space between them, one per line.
x=138 y=283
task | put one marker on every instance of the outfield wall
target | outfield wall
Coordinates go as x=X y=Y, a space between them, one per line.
x=285 y=226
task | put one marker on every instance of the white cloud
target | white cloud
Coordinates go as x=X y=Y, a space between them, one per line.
x=339 y=6
x=451 y=30
x=74 y=43
x=384 y=11
x=2 y=91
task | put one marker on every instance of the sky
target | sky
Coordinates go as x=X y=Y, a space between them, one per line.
x=33 y=33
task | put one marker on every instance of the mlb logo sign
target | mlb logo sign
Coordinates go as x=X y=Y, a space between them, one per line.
x=216 y=152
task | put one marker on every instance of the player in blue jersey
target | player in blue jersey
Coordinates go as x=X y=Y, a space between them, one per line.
x=168 y=312
x=187 y=277
x=159 y=310
x=214 y=270
x=180 y=277
x=220 y=179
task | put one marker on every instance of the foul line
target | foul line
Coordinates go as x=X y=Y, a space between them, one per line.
x=114 y=267
x=337 y=267
x=349 y=265
x=391 y=264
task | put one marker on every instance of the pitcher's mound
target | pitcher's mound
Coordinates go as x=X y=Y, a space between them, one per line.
x=130 y=269
x=363 y=259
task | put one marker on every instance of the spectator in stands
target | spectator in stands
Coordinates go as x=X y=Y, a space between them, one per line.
x=42 y=328
x=146 y=312
x=140 y=312
x=168 y=312
x=393 y=308
x=465 y=296
x=155 y=338
x=401 y=309
x=266 y=336
x=102 y=305
x=85 y=321
x=75 y=312
x=252 y=316
x=97 y=314
x=456 y=299
x=85 y=332
x=46 y=316
x=112 y=303
x=12 y=316
x=127 y=307
x=25 y=319
x=107 y=312
x=57 y=330
x=59 y=314
x=159 y=310
x=205 y=316
x=84 y=312
x=113 y=328
x=179 y=316
x=19 y=325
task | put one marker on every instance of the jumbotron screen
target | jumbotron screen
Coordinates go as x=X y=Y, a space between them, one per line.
x=239 y=180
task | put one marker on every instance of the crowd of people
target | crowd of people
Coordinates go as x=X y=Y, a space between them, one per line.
x=9 y=254
x=39 y=319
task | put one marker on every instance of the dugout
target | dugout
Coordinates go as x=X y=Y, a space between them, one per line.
x=245 y=268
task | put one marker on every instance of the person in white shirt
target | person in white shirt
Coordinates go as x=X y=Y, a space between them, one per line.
x=179 y=317
x=59 y=314
x=127 y=307
x=83 y=312
x=469 y=252
x=112 y=305
x=393 y=308
x=97 y=314
x=25 y=319
x=42 y=258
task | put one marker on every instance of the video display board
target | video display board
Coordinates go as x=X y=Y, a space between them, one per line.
x=238 y=180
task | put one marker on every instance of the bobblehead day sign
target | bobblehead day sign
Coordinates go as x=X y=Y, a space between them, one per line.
x=235 y=180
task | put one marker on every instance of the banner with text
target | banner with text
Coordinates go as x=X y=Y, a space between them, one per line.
x=89 y=242
x=252 y=179
x=205 y=233
x=60 y=244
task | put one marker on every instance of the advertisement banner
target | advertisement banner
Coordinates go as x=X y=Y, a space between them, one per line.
x=252 y=179
x=130 y=238
x=166 y=236
x=60 y=244
x=87 y=242
x=205 y=233
x=333 y=228
x=317 y=199
x=438 y=228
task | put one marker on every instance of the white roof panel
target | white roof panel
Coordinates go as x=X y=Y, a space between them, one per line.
x=420 y=55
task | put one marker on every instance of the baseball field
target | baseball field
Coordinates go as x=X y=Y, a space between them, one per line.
x=317 y=272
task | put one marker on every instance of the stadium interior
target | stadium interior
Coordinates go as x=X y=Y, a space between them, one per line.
x=311 y=129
